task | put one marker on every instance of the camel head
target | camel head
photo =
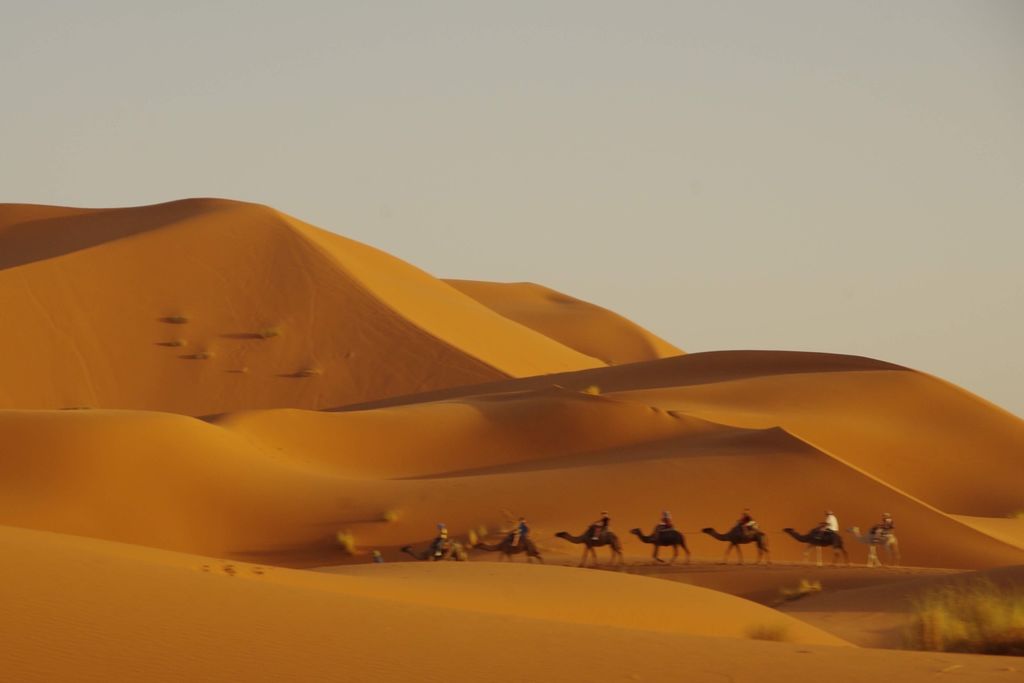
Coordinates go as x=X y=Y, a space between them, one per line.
x=790 y=530
x=406 y=549
x=563 y=534
x=707 y=530
x=637 y=532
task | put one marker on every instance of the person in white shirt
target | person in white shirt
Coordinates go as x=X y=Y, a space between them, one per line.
x=829 y=526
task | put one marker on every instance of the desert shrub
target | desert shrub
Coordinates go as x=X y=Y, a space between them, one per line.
x=805 y=587
x=269 y=332
x=201 y=355
x=309 y=372
x=777 y=631
x=176 y=319
x=969 y=616
x=1019 y=514
x=389 y=515
x=593 y=390
x=176 y=343
x=347 y=542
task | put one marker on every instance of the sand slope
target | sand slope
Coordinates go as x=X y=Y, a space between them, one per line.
x=84 y=610
x=590 y=329
x=203 y=306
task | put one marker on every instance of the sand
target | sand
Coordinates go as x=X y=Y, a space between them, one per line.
x=200 y=396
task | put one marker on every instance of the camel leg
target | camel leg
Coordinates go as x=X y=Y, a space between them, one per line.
x=739 y=555
x=656 y=558
x=725 y=560
x=675 y=554
x=583 y=560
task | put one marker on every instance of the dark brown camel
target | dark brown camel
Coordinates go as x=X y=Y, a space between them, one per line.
x=736 y=537
x=589 y=542
x=451 y=550
x=662 y=538
x=507 y=549
x=819 y=541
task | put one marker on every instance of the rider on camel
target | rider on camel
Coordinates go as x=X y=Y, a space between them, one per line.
x=883 y=528
x=519 y=532
x=600 y=527
x=439 y=546
x=747 y=524
x=665 y=523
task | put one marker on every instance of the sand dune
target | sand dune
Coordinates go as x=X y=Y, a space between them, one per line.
x=268 y=491
x=918 y=433
x=590 y=329
x=84 y=610
x=204 y=306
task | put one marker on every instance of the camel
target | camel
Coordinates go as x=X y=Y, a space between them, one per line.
x=873 y=541
x=607 y=538
x=736 y=537
x=507 y=549
x=818 y=541
x=661 y=538
x=452 y=550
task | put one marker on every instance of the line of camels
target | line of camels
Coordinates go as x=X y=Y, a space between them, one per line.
x=673 y=538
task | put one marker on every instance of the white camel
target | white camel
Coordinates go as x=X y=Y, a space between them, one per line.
x=873 y=541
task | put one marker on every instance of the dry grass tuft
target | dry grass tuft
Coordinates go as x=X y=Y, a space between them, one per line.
x=390 y=516
x=805 y=587
x=347 y=542
x=176 y=319
x=309 y=372
x=777 y=632
x=176 y=343
x=969 y=616
x=1019 y=514
x=200 y=355
x=593 y=390
x=269 y=333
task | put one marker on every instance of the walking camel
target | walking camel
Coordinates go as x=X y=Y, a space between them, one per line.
x=737 y=537
x=873 y=541
x=819 y=541
x=589 y=542
x=507 y=549
x=663 y=538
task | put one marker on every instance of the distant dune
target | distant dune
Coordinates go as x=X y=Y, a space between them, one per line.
x=590 y=329
x=195 y=387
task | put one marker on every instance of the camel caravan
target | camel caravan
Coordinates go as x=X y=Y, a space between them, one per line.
x=744 y=532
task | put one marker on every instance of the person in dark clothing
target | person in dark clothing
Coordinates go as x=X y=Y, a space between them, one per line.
x=600 y=527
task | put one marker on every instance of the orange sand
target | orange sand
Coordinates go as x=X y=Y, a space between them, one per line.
x=464 y=402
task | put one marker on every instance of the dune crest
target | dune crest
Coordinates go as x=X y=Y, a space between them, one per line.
x=590 y=329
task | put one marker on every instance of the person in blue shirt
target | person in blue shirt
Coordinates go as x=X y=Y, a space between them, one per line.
x=520 y=531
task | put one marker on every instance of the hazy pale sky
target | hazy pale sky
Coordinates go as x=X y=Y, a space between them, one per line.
x=830 y=176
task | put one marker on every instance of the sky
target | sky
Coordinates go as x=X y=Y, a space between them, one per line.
x=806 y=175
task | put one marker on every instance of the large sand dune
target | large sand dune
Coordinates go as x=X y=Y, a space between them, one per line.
x=204 y=306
